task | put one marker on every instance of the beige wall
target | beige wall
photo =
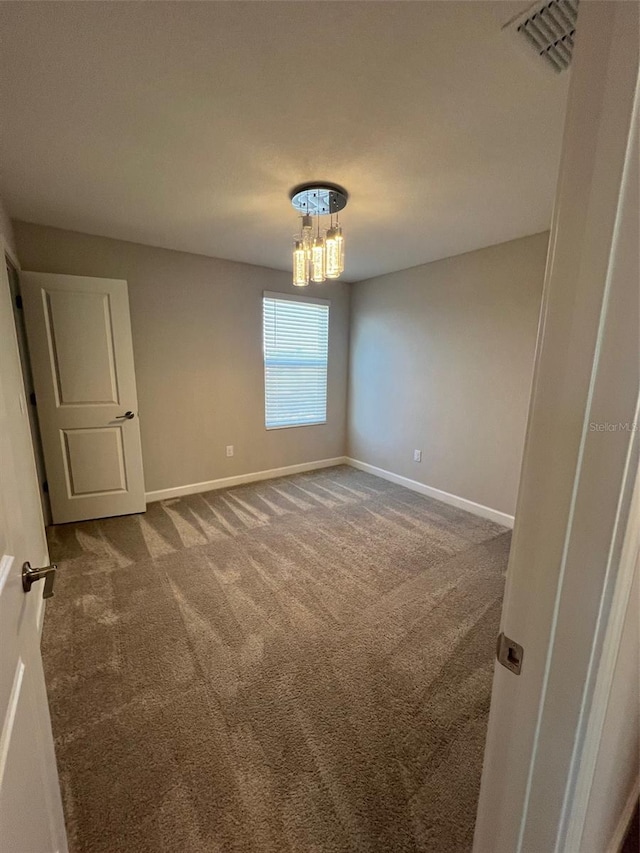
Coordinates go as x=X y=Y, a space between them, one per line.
x=197 y=337
x=441 y=361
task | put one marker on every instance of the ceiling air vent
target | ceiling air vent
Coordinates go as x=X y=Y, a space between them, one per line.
x=549 y=29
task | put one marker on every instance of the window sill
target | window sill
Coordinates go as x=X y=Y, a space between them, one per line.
x=295 y=426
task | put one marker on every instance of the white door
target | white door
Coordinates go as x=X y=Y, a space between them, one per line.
x=31 y=819
x=79 y=334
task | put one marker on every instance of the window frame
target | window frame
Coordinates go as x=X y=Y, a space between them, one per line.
x=309 y=300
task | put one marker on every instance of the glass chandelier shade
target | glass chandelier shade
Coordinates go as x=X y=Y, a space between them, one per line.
x=307 y=233
x=334 y=252
x=300 y=264
x=317 y=260
x=320 y=257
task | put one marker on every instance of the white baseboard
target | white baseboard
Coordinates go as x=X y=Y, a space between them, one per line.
x=256 y=476
x=447 y=498
x=615 y=845
x=239 y=479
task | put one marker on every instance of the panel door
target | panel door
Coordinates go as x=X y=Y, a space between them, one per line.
x=79 y=333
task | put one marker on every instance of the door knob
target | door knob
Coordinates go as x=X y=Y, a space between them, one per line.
x=126 y=417
x=30 y=576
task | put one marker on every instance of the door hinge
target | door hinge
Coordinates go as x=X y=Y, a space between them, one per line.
x=510 y=654
x=45 y=487
x=18 y=300
x=32 y=398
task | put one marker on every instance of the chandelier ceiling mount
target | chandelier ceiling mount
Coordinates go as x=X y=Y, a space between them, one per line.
x=319 y=199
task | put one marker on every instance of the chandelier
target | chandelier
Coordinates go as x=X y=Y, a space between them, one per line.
x=318 y=252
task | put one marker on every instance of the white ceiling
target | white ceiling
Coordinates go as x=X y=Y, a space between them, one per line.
x=184 y=125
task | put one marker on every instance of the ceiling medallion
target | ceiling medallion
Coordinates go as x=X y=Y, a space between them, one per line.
x=318 y=252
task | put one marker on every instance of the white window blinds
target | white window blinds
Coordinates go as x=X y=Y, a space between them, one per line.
x=296 y=336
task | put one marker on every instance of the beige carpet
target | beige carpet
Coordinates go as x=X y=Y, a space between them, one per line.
x=298 y=665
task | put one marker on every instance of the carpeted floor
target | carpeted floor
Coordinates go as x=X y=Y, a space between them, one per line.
x=299 y=665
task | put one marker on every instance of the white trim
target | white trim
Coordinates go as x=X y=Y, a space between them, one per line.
x=294 y=297
x=604 y=679
x=254 y=477
x=239 y=479
x=620 y=833
x=611 y=623
x=297 y=426
x=431 y=492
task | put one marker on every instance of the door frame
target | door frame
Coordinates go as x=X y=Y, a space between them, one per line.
x=620 y=602
x=574 y=502
x=36 y=440
x=43 y=559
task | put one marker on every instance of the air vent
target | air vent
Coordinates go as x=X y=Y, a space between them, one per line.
x=550 y=31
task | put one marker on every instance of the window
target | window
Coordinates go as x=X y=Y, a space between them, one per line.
x=296 y=335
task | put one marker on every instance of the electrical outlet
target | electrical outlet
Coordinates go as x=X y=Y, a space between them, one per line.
x=417 y=456
x=229 y=449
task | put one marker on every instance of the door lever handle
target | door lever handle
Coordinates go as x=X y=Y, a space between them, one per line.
x=30 y=576
x=126 y=417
